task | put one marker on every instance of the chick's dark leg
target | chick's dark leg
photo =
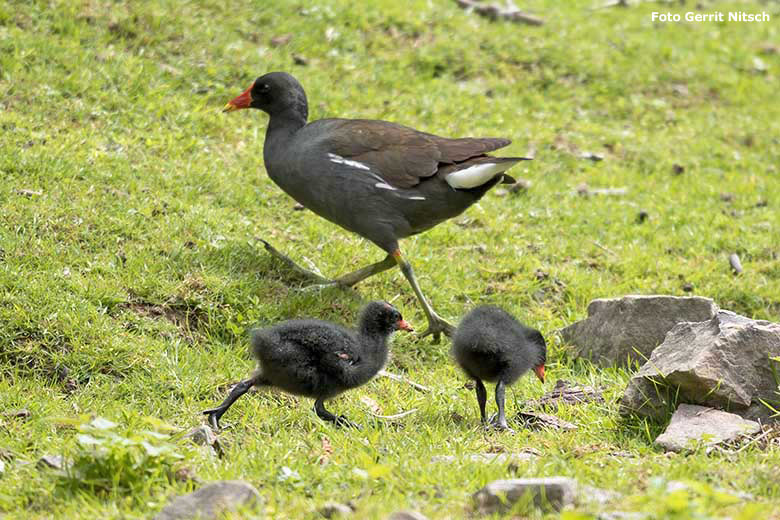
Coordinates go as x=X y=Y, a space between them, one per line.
x=240 y=389
x=481 y=399
x=338 y=420
x=436 y=324
x=500 y=421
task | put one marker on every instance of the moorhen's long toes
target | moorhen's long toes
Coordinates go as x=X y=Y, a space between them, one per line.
x=381 y=180
x=318 y=359
x=491 y=345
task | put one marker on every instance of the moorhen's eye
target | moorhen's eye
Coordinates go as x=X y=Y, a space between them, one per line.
x=263 y=88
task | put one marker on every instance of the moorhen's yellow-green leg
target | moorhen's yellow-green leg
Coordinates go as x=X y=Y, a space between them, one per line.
x=350 y=279
x=436 y=324
x=302 y=271
x=320 y=282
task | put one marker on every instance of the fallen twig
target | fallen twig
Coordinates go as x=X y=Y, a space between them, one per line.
x=402 y=379
x=494 y=12
x=391 y=417
x=604 y=248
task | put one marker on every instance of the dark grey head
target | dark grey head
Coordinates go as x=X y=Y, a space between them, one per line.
x=381 y=318
x=275 y=93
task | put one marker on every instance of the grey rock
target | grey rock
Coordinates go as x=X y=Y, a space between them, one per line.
x=724 y=362
x=625 y=330
x=335 y=510
x=407 y=515
x=691 y=423
x=551 y=492
x=211 y=501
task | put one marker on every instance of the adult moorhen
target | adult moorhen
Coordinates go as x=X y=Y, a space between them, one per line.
x=378 y=179
x=491 y=345
x=318 y=359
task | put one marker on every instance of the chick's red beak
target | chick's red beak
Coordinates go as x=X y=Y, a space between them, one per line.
x=539 y=370
x=243 y=100
x=402 y=325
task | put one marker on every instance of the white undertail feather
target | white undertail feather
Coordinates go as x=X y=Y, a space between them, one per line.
x=476 y=175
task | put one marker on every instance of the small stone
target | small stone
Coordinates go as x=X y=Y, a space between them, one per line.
x=520 y=186
x=335 y=510
x=727 y=197
x=278 y=41
x=500 y=495
x=23 y=413
x=29 y=193
x=211 y=501
x=202 y=435
x=592 y=156
x=186 y=474
x=642 y=216
x=678 y=169
x=51 y=462
x=300 y=60
x=687 y=287
x=299 y=207
x=736 y=265
x=407 y=515
x=693 y=424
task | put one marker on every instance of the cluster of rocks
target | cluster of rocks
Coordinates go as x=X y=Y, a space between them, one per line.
x=718 y=366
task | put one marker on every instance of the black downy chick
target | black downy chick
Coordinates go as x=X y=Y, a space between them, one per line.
x=318 y=359
x=491 y=345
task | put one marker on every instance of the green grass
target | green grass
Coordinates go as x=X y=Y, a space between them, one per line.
x=130 y=273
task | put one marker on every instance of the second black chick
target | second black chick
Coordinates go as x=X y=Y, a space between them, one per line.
x=319 y=359
x=491 y=345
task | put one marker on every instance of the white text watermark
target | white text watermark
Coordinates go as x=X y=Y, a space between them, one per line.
x=717 y=16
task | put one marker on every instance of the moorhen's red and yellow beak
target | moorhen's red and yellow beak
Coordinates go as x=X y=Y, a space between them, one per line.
x=243 y=100
x=402 y=325
x=539 y=370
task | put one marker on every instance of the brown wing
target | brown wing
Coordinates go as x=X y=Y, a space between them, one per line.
x=402 y=156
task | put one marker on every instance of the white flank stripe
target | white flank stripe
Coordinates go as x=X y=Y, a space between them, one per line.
x=340 y=160
x=415 y=198
x=476 y=175
x=384 y=186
